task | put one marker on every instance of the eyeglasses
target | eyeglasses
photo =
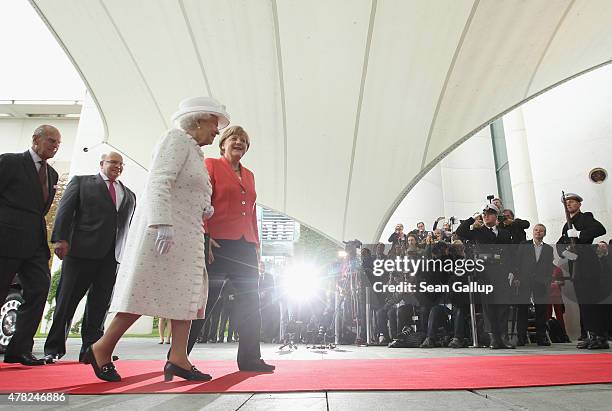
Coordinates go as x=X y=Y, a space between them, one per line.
x=114 y=162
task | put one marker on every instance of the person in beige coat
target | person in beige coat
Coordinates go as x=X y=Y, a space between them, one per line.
x=163 y=273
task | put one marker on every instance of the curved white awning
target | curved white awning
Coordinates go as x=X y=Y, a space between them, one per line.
x=348 y=102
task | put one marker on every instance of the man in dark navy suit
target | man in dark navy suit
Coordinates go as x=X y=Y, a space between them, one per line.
x=90 y=229
x=534 y=267
x=27 y=188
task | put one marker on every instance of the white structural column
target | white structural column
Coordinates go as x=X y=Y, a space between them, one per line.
x=519 y=162
x=569 y=132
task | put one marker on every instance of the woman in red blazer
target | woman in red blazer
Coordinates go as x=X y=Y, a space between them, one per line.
x=233 y=255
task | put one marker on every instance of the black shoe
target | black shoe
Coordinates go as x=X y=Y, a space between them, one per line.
x=584 y=344
x=51 y=358
x=257 y=366
x=170 y=370
x=521 y=341
x=106 y=372
x=456 y=343
x=543 y=342
x=24 y=359
x=83 y=359
x=599 y=343
x=498 y=343
x=428 y=343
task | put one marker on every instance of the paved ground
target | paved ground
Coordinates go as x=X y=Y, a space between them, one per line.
x=588 y=397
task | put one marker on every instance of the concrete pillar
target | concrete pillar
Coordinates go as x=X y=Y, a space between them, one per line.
x=519 y=162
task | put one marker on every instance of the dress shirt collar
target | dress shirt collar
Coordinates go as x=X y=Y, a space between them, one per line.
x=104 y=177
x=35 y=157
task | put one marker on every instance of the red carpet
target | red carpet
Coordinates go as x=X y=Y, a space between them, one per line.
x=322 y=375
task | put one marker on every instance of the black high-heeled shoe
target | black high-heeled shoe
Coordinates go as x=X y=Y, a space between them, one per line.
x=106 y=372
x=170 y=370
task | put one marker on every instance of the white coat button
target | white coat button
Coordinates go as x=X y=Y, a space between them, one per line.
x=243 y=192
x=243 y=213
x=244 y=202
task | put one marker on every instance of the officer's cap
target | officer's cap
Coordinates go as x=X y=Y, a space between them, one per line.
x=573 y=196
x=490 y=209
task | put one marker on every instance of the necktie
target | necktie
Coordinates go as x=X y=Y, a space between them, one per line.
x=44 y=181
x=111 y=190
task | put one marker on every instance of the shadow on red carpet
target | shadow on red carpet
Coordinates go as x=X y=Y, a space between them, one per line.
x=454 y=373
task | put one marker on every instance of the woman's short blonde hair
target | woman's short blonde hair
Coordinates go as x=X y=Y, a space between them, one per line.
x=233 y=131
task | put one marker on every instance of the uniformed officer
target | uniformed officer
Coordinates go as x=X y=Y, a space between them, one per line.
x=490 y=239
x=587 y=272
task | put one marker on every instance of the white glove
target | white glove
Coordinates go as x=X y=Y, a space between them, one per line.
x=510 y=278
x=165 y=239
x=573 y=233
x=476 y=215
x=208 y=212
x=569 y=255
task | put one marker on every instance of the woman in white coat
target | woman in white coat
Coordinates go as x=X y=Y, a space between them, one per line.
x=163 y=273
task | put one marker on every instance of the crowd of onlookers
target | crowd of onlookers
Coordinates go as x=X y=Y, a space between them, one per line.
x=435 y=319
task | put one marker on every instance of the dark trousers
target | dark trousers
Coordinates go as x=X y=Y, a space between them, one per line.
x=540 y=293
x=522 y=314
x=79 y=276
x=431 y=318
x=594 y=318
x=496 y=316
x=395 y=317
x=460 y=313
x=35 y=279
x=236 y=263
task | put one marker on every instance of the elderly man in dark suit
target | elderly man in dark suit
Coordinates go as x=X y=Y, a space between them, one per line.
x=27 y=188
x=90 y=228
x=534 y=267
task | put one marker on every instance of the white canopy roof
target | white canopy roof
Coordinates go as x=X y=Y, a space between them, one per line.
x=348 y=102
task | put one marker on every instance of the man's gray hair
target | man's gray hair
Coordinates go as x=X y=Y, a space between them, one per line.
x=107 y=153
x=42 y=131
x=189 y=121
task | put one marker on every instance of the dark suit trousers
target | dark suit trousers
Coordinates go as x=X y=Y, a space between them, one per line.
x=35 y=280
x=79 y=276
x=236 y=262
x=540 y=298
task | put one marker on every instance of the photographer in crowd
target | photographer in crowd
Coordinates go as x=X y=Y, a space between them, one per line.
x=420 y=233
x=398 y=238
x=516 y=226
x=490 y=240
